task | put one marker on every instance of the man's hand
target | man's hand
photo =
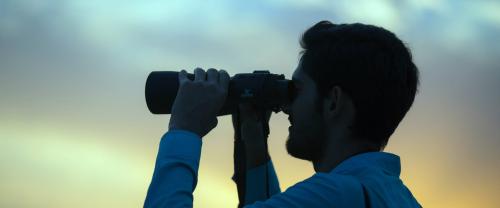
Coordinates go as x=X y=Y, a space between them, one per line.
x=251 y=121
x=199 y=101
x=254 y=138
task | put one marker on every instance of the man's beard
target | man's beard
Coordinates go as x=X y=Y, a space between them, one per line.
x=308 y=145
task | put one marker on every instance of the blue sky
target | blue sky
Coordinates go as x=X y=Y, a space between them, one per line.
x=74 y=118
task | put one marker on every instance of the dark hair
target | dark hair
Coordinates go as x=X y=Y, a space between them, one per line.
x=371 y=65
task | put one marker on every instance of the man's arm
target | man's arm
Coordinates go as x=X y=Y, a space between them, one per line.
x=176 y=170
x=194 y=114
x=261 y=181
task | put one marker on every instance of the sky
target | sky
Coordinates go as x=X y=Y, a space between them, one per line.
x=75 y=130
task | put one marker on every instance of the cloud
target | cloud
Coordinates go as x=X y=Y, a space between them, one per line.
x=81 y=66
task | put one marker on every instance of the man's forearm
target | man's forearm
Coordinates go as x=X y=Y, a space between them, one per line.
x=261 y=180
x=256 y=154
x=175 y=175
x=255 y=145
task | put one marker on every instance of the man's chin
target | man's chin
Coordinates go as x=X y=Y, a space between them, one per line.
x=298 y=150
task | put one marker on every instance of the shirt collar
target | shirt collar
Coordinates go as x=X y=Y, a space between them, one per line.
x=388 y=162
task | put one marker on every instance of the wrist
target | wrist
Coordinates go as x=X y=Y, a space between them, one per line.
x=184 y=128
x=255 y=145
x=256 y=154
x=256 y=157
x=253 y=133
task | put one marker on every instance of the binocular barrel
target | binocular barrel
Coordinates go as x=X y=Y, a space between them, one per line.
x=263 y=89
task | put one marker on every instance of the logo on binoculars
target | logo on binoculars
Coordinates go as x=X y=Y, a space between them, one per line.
x=247 y=93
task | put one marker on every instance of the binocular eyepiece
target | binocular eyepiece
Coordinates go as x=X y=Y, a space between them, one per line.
x=265 y=90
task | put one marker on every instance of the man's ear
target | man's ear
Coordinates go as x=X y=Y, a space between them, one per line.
x=333 y=102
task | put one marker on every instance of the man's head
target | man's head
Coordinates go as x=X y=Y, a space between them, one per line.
x=355 y=84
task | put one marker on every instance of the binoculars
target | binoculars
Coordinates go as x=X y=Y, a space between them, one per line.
x=265 y=90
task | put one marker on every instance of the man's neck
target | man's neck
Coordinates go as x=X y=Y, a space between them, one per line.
x=335 y=154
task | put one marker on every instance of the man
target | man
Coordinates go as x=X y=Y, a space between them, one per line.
x=354 y=84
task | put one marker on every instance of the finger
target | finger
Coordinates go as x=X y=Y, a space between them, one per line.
x=199 y=75
x=224 y=79
x=183 y=76
x=212 y=75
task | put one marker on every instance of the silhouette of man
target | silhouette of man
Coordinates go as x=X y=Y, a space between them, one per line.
x=354 y=84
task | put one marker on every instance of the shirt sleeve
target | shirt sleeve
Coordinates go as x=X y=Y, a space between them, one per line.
x=258 y=188
x=320 y=190
x=176 y=170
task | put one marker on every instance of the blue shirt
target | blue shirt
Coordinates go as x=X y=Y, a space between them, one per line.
x=364 y=180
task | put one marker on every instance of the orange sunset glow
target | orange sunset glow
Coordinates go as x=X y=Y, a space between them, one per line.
x=75 y=130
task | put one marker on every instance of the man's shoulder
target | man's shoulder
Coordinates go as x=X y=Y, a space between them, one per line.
x=324 y=190
x=333 y=182
x=332 y=177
